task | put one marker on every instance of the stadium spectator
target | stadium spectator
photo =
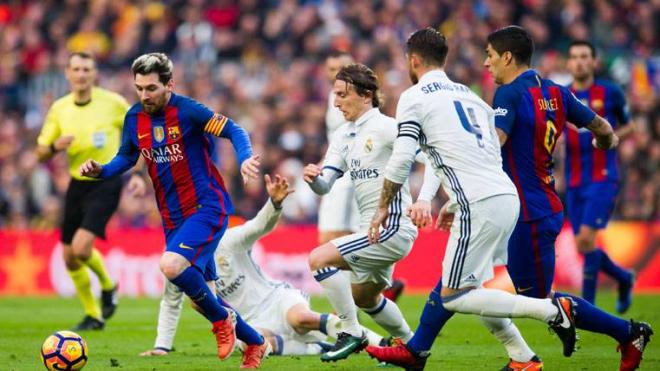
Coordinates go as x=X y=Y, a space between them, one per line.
x=261 y=62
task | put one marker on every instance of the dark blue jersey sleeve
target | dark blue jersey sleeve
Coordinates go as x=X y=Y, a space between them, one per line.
x=198 y=113
x=577 y=113
x=127 y=155
x=619 y=106
x=239 y=139
x=504 y=104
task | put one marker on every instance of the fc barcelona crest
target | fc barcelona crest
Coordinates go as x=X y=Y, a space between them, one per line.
x=173 y=133
x=159 y=133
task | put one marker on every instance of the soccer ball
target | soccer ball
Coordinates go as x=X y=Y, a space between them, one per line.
x=64 y=350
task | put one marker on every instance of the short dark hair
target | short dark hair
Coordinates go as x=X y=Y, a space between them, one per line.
x=430 y=45
x=363 y=79
x=157 y=63
x=583 y=43
x=83 y=55
x=514 y=39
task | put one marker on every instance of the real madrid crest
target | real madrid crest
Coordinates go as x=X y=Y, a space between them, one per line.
x=368 y=145
x=159 y=133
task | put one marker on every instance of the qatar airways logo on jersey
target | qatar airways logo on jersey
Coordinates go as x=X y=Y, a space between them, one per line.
x=165 y=154
x=357 y=172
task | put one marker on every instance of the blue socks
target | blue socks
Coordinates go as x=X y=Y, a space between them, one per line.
x=613 y=270
x=596 y=261
x=590 y=318
x=191 y=281
x=590 y=275
x=434 y=316
x=244 y=332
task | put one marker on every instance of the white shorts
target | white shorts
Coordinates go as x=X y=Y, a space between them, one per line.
x=375 y=263
x=478 y=240
x=273 y=311
x=338 y=210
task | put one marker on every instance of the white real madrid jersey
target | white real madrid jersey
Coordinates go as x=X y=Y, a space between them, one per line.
x=456 y=130
x=360 y=150
x=241 y=282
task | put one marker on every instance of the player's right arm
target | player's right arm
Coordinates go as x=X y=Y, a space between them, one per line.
x=504 y=105
x=50 y=140
x=123 y=160
x=320 y=180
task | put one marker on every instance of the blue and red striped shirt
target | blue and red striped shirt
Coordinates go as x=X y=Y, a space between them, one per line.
x=533 y=112
x=584 y=163
x=176 y=145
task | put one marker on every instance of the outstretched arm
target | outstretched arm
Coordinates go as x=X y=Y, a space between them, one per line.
x=244 y=236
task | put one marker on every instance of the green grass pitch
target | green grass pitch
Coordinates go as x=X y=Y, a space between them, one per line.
x=464 y=343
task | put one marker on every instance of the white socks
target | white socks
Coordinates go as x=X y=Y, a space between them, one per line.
x=499 y=303
x=389 y=317
x=508 y=335
x=333 y=328
x=168 y=316
x=337 y=288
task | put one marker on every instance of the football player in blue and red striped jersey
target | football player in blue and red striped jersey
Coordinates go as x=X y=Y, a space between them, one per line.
x=592 y=174
x=173 y=134
x=530 y=114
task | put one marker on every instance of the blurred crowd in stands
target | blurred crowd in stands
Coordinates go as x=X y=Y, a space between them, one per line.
x=260 y=62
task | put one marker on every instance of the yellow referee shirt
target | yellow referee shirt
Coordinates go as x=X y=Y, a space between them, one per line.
x=95 y=126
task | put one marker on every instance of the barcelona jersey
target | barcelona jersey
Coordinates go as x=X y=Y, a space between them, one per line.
x=176 y=145
x=584 y=163
x=533 y=112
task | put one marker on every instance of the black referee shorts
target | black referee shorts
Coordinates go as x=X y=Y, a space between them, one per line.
x=89 y=205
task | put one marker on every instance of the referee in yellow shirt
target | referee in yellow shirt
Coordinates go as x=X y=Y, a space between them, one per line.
x=86 y=123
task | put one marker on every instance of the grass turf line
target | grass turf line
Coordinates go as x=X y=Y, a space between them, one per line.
x=464 y=343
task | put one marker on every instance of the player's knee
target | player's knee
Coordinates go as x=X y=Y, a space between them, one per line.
x=366 y=301
x=585 y=243
x=304 y=321
x=69 y=259
x=316 y=261
x=81 y=250
x=171 y=267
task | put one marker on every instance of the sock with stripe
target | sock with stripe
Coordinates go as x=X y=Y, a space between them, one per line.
x=590 y=318
x=389 y=317
x=501 y=304
x=612 y=269
x=96 y=264
x=434 y=316
x=508 y=335
x=191 y=281
x=590 y=270
x=337 y=288
x=83 y=285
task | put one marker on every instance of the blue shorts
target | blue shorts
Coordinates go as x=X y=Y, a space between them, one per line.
x=531 y=261
x=196 y=240
x=591 y=204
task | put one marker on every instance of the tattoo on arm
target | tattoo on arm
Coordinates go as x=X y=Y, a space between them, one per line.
x=599 y=126
x=390 y=189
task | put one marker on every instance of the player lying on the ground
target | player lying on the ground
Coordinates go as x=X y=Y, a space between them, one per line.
x=280 y=312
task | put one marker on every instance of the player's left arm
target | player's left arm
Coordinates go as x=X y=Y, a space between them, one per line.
x=242 y=237
x=582 y=116
x=420 y=211
x=222 y=126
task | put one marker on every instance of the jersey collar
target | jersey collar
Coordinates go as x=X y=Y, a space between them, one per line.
x=365 y=117
x=434 y=74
